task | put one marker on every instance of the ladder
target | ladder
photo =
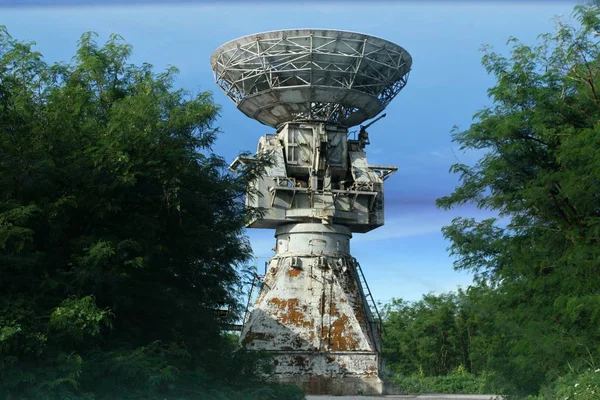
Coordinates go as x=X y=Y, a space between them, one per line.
x=255 y=282
x=368 y=295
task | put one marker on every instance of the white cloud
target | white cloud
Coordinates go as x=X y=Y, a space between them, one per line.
x=419 y=222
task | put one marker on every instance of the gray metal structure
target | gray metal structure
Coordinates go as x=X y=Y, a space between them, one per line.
x=340 y=77
x=314 y=311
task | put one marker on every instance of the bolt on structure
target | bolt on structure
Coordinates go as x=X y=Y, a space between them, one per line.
x=312 y=312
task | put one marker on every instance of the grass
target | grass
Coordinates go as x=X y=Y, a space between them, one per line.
x=458 y=382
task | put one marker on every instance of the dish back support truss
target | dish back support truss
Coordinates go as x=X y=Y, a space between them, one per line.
x=316 y=75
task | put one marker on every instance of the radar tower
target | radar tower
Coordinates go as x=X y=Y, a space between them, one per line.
x=314 y=312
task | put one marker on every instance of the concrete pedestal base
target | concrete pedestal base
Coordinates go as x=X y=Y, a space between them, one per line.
x=335 y=386
x=335 y=373
x=312 y=316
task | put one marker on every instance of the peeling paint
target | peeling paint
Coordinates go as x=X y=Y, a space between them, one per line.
x=315 y=321
x=339 y=337
x=290 y=313
x=300 y=361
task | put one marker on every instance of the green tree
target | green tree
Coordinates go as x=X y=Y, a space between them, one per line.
x=425 y=336
x=541 y=173
x=120 y=232
x=440 y=343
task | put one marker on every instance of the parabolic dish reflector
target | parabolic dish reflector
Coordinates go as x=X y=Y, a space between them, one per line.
x=333 y=76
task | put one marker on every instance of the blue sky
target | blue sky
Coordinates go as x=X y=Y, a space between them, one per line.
x=407 y=257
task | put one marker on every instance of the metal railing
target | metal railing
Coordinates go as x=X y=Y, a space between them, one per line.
x=368 y=296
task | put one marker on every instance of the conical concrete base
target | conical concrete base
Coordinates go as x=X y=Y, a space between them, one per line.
x=312 y=315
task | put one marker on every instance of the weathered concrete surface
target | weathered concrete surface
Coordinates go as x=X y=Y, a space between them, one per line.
x=311 y=315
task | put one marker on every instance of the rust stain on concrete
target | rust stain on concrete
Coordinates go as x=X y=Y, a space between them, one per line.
x=300 y=361
x=252 y=336
x=340 y=339
x=290 y=312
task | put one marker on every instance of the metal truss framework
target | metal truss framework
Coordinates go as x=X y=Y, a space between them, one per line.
x=322 y=75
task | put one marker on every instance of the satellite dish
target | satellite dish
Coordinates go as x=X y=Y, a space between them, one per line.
x=340 y=77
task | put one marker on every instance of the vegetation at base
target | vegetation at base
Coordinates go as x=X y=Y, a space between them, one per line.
x=582 y=385
x=434 y=345
x=455 y=382
x=120 y=234
x=532 y=317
